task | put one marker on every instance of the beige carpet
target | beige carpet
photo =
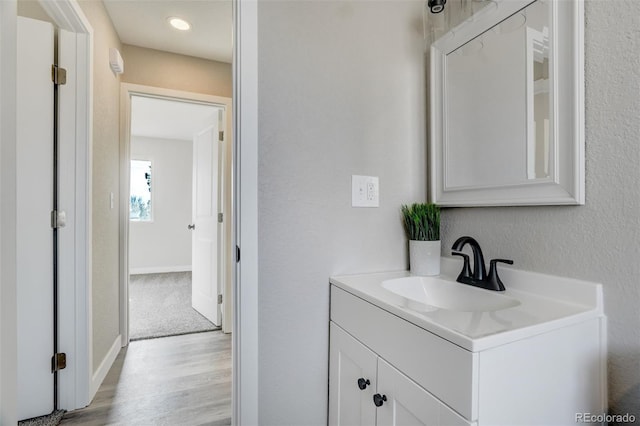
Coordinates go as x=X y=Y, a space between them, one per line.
x=160 y=306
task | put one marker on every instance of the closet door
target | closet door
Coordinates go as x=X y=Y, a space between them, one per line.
x=34 y=249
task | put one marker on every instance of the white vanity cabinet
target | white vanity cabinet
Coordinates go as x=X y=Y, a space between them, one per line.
x=545 y=374
x=358 y=374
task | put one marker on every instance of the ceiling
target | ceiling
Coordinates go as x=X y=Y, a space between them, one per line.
x=161 y=118
x=144 y=23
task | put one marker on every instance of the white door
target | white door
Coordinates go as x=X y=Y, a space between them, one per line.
x=205 y=239
x=352 y=380
x=34 y=251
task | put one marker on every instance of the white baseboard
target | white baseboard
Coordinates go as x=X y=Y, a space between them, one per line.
x=105 y=366
x=159 y=269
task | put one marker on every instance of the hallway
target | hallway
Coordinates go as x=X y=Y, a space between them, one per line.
x=173 y=380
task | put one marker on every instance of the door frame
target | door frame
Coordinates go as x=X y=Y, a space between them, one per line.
x=76 y=383
x=245 y=383
x=8 y=214
x=127 y=90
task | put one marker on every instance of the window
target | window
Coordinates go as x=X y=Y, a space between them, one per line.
x=140 y=203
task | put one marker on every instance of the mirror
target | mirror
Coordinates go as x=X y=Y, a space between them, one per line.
x=507 y=102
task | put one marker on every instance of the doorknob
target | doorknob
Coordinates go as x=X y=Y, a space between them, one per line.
x=192 y=226
x=363 y=383
x=378 y=399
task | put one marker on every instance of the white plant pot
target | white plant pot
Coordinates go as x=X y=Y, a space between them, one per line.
x=424 y=257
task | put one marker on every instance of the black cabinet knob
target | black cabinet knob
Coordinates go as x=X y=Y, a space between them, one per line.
x=362 y=383
x=378 y=399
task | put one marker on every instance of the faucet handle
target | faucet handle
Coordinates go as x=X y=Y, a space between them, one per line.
x=492 y=278
x=466 y=268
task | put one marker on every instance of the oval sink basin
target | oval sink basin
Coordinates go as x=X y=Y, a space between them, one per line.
x=449 y=295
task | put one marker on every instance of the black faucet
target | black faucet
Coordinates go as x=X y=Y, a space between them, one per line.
x=479 y=277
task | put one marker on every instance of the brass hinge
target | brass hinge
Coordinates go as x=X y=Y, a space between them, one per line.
x=58 y=75
x=221 y=136
x=220 y=217
x=219 y=299
x=58 y=362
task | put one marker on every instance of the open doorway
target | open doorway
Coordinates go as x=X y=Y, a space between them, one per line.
x=176 y=268
x=175 y=203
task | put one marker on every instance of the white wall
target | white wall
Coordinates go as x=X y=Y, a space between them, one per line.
x=342 y=92
x=164 y=244
x=599 y=241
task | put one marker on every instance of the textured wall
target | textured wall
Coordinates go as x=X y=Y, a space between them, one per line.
x=163 y=69
x=106 y=107
x=165 y=242
x=601 y=240
x=341 y=92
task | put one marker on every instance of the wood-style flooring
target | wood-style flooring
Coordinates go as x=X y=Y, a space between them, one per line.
x=178 y=380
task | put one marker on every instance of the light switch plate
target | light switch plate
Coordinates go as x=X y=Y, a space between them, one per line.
x=365 y=191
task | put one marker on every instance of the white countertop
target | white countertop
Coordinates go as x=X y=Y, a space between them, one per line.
x=546 y=302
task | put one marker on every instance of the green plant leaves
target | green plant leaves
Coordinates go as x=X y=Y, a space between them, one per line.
x=421 y=221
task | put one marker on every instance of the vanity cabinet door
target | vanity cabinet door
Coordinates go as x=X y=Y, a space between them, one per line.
x=409 y=404
x=352 y=380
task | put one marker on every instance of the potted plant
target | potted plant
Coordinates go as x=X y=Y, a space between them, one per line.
x=422 y=225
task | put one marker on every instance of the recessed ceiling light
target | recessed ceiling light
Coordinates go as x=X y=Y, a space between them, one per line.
x=179 y=23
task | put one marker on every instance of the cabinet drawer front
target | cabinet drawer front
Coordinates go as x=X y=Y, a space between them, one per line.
x=444 y=369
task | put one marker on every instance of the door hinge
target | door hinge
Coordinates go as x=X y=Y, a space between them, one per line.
x=219 y=299
x=220 y=217
x=237 y=254
x=58 y=219
x=58 y=75
x=221 y=136
x=58 y=362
